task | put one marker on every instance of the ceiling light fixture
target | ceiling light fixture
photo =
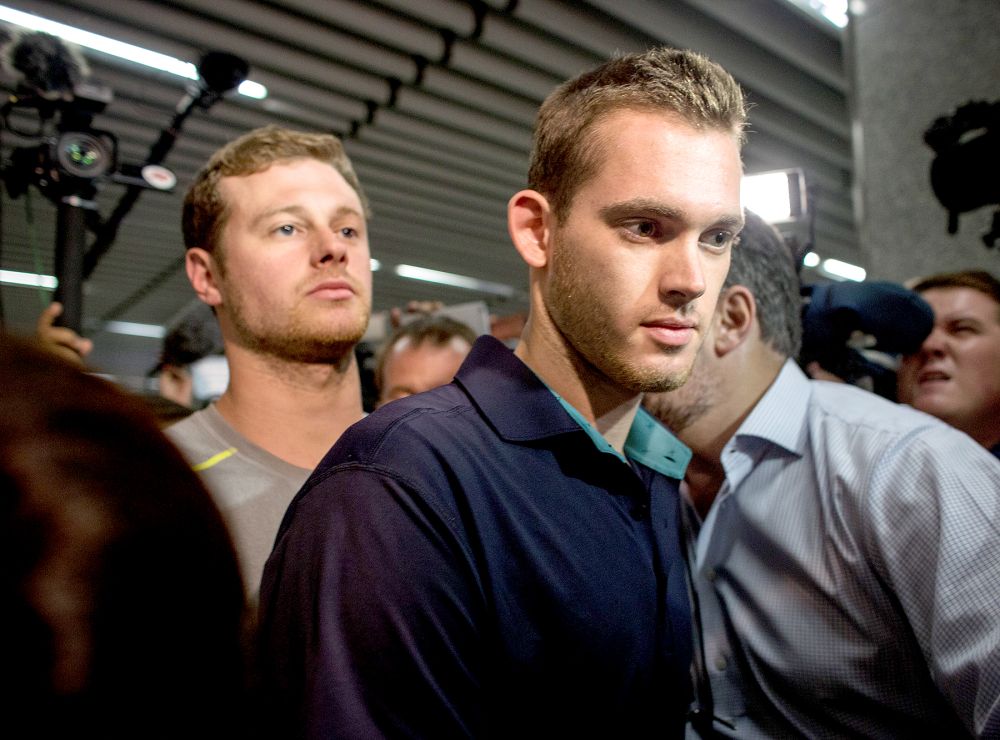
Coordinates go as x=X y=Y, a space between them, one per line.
x=132 y=329
x=119 y=49
x=412 y=272
x=28 y=279
x=842 y=270
x=833 y=11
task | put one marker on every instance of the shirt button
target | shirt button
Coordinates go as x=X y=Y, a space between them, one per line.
x=720 y=664
x=711 y=575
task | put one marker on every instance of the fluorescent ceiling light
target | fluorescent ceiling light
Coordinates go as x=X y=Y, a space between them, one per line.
x=448 y=278
x=119 y=49
x=811 y=259
x=29 y=279
x=153 y=331
x=375 y=264
x=834 y=11
x=842 y=270
x=252 y=89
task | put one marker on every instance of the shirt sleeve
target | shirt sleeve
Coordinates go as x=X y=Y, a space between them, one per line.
x=371 y=615
x=934 y=514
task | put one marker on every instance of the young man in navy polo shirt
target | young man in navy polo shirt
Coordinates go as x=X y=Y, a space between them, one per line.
x=501 y=556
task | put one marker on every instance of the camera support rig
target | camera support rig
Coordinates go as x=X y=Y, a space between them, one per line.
x=68 y=164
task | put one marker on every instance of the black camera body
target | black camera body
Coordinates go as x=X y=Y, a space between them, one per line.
x=964 y=171
x=72 y=154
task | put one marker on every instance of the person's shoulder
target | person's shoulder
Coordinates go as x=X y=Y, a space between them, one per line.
x=205 y=439
x=858 y=408
x=849 y=422
x=437 y=417
x=191 y=428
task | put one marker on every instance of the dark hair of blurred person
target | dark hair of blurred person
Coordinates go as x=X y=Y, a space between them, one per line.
x=195 y=337
x=421 y=354
x=124 y=601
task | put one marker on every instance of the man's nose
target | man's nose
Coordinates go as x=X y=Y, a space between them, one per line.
x=682 y=272
x=936 y=342
x=328 y=246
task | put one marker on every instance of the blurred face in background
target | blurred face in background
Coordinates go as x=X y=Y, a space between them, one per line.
x=414 y=368
x=956 y=374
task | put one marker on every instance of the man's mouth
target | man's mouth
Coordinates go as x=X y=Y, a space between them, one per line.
x=671 y=332
x=333 y=290
x=932 y=376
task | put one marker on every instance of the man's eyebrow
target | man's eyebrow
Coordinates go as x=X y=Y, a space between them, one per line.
x=297 y=210
x=292 y=210
x=641 y=205
x=656 y=208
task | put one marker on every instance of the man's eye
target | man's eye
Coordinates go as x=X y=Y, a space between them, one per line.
x=644 y=229
x=350 y=232
x=718 y=240
x=285 y=230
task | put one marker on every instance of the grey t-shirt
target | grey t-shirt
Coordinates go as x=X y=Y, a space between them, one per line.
x=251 y=486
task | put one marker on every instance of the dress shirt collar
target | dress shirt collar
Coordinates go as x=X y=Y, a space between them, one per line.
x=780 y=415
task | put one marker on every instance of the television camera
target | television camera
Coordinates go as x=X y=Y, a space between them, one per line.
x=68 y=158
x=967 y=158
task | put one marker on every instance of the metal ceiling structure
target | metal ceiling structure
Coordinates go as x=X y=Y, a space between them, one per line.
x=435 y=101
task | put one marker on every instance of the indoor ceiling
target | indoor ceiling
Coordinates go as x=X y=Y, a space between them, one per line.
x=435 y=101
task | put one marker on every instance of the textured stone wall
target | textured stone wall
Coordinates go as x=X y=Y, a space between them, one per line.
x=910 y=62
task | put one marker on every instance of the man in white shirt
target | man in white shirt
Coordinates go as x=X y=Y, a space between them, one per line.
x=844 y=548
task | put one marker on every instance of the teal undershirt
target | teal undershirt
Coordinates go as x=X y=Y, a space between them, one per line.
x=648 y=442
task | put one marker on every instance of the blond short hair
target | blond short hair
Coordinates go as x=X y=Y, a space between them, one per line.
x=205 y=210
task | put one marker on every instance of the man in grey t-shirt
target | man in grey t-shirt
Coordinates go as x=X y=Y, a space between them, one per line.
x=275 y=228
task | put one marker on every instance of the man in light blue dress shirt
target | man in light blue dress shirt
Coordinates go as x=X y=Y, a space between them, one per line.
x=846 y=550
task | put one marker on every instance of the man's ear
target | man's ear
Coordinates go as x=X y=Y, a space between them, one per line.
x=203 y=272
x=529 y=223
x=735 y=318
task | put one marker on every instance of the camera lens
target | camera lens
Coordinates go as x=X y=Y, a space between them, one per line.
x=83 y=155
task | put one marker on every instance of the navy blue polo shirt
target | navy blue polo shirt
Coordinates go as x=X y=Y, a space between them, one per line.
x=465 y=562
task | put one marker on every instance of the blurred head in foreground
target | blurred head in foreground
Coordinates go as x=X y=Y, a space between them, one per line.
x=124 y=602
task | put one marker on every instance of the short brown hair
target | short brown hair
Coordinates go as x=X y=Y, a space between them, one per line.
x=979 y=280
x=437 y=331
x=205 y=211
x=684 y=83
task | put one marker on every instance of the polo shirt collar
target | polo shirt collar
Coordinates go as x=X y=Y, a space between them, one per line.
x=504 y=388
x=648 y=442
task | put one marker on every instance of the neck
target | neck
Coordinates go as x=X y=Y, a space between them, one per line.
x=743 y=385
x=295 y=411
x=608 y=406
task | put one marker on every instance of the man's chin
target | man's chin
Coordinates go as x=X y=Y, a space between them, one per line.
x=656 y=380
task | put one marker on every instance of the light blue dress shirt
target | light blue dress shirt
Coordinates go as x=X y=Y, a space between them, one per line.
x=849 y=571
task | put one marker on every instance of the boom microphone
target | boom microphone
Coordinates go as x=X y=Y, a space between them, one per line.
x=48 y=67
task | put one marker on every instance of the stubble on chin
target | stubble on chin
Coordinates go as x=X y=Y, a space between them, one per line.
x=296 y=341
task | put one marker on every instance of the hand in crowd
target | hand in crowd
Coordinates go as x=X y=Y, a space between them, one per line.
x=423 y=308
x=816 y=372
x=60 y=340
